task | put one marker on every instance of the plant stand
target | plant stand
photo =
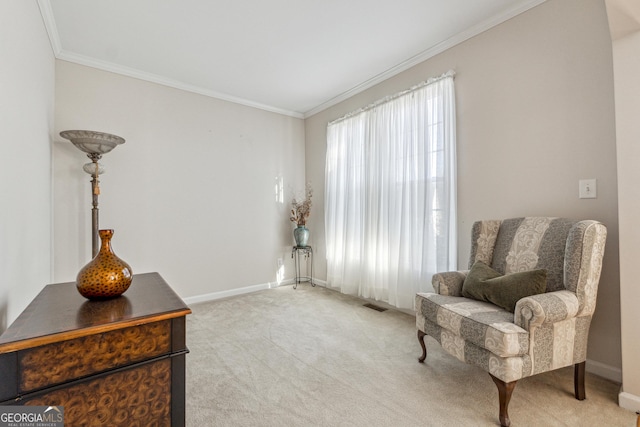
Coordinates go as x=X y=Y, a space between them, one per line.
x=307 y=254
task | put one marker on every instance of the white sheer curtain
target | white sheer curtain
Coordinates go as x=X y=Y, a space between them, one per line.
x=390 y=194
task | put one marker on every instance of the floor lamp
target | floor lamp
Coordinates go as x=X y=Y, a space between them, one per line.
x=94 y=144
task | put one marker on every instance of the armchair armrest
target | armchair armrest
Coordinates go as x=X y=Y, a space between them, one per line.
x=449 y=283
x=549 y=307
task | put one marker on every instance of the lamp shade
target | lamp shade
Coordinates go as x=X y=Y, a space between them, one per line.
x=92 y=142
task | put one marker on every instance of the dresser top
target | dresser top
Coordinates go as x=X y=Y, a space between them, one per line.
x=59 y=312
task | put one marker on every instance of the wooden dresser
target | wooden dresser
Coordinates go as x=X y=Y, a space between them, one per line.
x=118 y=362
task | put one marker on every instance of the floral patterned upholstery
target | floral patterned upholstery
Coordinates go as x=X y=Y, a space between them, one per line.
x=547 y=331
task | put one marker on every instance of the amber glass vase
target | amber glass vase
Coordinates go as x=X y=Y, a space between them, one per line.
x=105 y=276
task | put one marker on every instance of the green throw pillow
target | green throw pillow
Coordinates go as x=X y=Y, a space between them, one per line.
x=485 y=284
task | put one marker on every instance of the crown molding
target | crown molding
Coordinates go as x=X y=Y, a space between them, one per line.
x=50 y=25
x=427 y=54
x=176 y=84
x=52 y=30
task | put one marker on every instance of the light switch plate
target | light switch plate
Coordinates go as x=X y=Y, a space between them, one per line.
x=587 y=189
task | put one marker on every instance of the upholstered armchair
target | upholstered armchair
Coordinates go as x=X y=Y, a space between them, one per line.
x=525 y=304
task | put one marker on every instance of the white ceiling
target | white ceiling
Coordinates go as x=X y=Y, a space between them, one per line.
x=294 y=57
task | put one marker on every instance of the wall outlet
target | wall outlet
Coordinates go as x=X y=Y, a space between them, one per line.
x=587 y=189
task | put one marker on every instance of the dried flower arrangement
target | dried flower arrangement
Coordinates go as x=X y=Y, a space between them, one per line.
x=301 y=210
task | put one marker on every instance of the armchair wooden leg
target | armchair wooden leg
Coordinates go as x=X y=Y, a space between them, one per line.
x=578 y=380
x=421 y=335
x=504 y=394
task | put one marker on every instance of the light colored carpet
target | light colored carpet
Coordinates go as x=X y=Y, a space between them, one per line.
x=315 y=357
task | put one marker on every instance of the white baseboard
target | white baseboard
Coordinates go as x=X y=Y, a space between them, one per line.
x=605 y=371
x=240 y=291
x=629 y=401
x=320 y=282
x=233 y=292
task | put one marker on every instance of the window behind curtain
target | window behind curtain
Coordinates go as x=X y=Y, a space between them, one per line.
x=390 y=194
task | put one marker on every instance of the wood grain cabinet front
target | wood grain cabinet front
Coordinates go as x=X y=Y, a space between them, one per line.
x=112 y=368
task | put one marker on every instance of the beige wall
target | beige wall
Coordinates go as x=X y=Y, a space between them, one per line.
x=625 y=29
x=26 y=125
x=535 y=113
x=191 y=192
